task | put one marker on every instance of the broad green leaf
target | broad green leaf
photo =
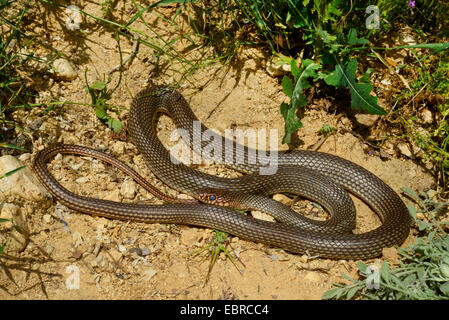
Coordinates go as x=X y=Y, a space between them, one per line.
x=325 y=36
x=115 y=124
x=287 y=86
x=329 y=294
x=297 y=98
x=352 y=38
x=444 y=288
x=351 y=293
x=308 y=70
x=362 y=266
x=292 y=122
x=98 y=85
x=385 y=271
x=344 y=275
x=294 y=68
x=100 y=112
x=412 y=211
x=344 y=76
x=411 y=193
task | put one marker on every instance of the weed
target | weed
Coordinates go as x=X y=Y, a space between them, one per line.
x=217 y=245
x=423 y=272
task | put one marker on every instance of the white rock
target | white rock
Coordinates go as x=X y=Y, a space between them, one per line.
x=118 y=147
x=149 y=273
x=426 y=115
x=128 y=189
x=274 y=69
x=366 y=119
x=47 y=218
x=403 y=148
x=64 y=70
x=282 y=199
x=262 y=216
x=21 y=183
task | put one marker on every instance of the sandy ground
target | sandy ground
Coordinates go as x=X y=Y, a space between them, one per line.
x=127 y=260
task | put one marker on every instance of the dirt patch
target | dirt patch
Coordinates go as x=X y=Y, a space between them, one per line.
x=120 y=260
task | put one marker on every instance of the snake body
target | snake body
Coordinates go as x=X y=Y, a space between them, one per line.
x=315 y=175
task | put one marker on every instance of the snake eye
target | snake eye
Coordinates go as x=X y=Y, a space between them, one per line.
x=212 y=198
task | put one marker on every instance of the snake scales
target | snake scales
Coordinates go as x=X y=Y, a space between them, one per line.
x=315 y=175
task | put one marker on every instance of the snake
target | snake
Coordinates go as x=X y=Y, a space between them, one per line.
x=318 y=176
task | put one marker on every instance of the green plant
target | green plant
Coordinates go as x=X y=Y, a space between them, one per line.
x=13 y=86
x=99 y=95
x=217 y=245
x=423 y=272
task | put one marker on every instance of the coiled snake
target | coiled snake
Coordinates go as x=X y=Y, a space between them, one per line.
x=314 y=175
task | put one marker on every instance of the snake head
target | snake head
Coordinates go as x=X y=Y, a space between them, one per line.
x=220 y=198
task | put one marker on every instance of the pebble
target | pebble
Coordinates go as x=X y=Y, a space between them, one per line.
x=77 y=239
x=366 y=119
x=262 y=216
x=403 y=148
x=128 y=189
x=426 y=116
x=274 y=69
x=47 y=218
x=282 y=199
x=118 y=147
x=149 y=273
x=64 y=70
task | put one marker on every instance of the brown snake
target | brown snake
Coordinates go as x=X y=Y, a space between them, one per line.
x=314 y=175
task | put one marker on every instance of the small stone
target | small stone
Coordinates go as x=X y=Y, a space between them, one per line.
x=49 y=249
x=426 y=116
x=403 y=148
x=262 y=216
x=64 y=69
x=149 y=273
x=135 y=250
x=282 y=199
x=118 y=147
x=82 y=180
x=432 y=194
x=115 y=254
x=77 y=239
x=366 y=119
x=121 y=248
x=76 y=254
x=145 y=252
x=25 y=157
x=275 y=68
x=128 y=189
x=47 y=218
